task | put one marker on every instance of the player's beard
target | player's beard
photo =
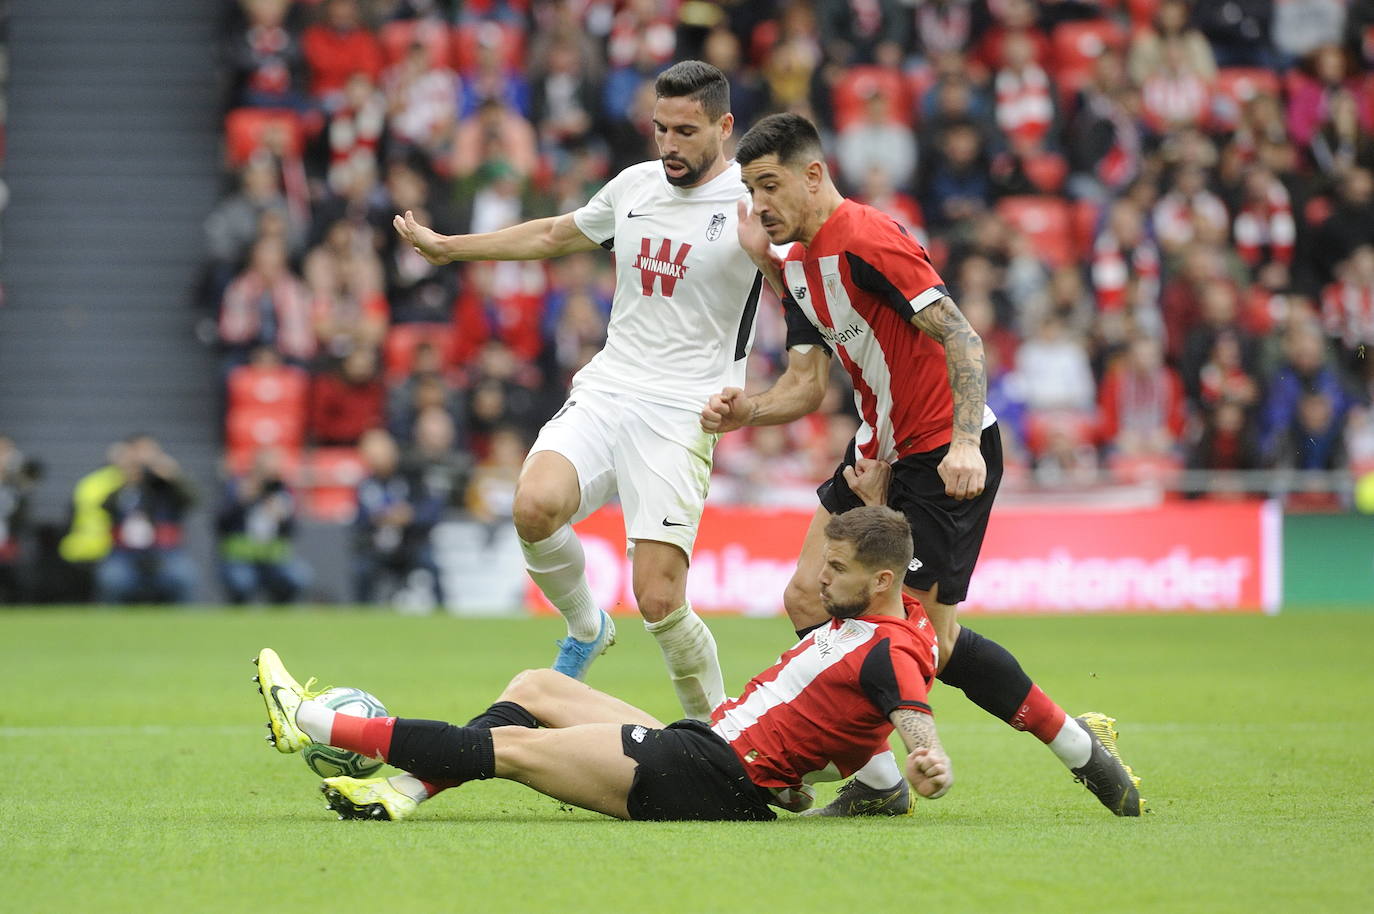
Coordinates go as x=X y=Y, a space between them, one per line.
x=850 y=610
x=693 y=173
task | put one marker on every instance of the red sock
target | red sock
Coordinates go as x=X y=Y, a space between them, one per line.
x=436 y=787
x=1039 y=715
x=367 y=736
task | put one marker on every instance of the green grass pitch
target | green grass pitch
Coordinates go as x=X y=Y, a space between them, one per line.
x=139 y=779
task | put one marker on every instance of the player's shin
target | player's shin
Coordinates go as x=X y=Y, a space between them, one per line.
x=689 y=650
x=992 y=679
x=557 y=565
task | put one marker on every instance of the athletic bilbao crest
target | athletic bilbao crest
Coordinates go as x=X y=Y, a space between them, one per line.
x=665 y=265
x=716 y=227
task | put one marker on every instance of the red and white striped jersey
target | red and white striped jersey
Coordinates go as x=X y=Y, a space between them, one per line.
x=858 y=285
x=1348 y=313
x=821 y=712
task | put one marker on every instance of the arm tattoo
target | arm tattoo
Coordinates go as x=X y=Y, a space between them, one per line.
x=917 y=729
x=968 y=381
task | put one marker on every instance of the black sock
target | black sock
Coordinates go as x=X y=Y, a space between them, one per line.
x=803 y=632
x=436 y=751
x=503 y=714
x=988 y=674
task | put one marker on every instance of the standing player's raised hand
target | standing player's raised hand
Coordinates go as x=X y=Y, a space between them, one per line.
x=725 y=411
x=425 y=240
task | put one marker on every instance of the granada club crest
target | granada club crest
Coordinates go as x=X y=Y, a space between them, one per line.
x=664 y=265
x=716 y=227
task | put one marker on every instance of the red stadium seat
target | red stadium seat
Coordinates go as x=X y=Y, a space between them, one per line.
x=859 y=83
x=1044 y=425
x=398 y=36
x=1046 y=170
x=399 y=349
x=1142 y=13
x=468 y=38
x=1047 y=221
x=284 y=388
x=246 y=130
x=251 y=426
x=1077 y=45
x=1235 y=86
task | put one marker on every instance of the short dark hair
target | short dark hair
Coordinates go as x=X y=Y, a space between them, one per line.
x=881 y=537
x=788 y=136
x=698 y=81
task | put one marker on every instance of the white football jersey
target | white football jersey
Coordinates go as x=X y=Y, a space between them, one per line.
x=685 y=292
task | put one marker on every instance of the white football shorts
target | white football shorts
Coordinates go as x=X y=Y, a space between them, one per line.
x=656 y=457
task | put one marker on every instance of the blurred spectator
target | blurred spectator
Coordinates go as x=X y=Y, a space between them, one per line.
x=491 y=494
x=353 y=133
x=1264 y=227
x=422 y=104
x=391 y=532
x=1013 y=17
x=236 y=221
x=958 y=186
x=264 y=59
x=1224 y=378
x=791 y=63
x=1053 y=369
x=864 y=31
x=1170 y=26
x=1177 y=92
x=491 y=79
x=1350 y=224
x=1306 y=403
x=1348 y=306
x=1188 y=210
x=877 y=191
x=1311 y=88
x=722 y=50
x=1228 y=441
x=876 y=141
x=489 y=308
x=497 y=203
x=17 y=477
x=442 y=469
x=147 y=511
x=579 y=334
x=1103 y=139
x=266 y=305
x=1067 y=297
x=347 y=400
x=948 y=25
x=1126 y=267
x=1025 y=108
x=1218 y=316
x=1181 y=299
x=427 y=384
x=1140 y=405
x=495 y=133
x=1340 y=144
x=336 y=48
x=564 y=98
x=349 y=311
x=90 y=535
x=256 y=526
x=641 y=30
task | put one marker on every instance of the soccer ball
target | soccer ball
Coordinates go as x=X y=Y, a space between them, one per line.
x=329 y=762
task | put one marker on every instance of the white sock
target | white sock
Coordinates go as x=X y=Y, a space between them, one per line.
x=1072 y=745
x=316 y=720
x=409 y=785
x=689 y=650
x=881 y=772
x=558 y=566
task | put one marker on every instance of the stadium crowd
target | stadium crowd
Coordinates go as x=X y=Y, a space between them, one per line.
x=1158 y=214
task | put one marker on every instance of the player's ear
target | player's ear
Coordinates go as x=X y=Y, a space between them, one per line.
x=814 y=174
x=727 y=125
x=882 y=580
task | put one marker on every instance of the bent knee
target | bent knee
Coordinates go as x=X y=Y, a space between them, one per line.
x=528 y=686
x=537 y=514
x=801 y=598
